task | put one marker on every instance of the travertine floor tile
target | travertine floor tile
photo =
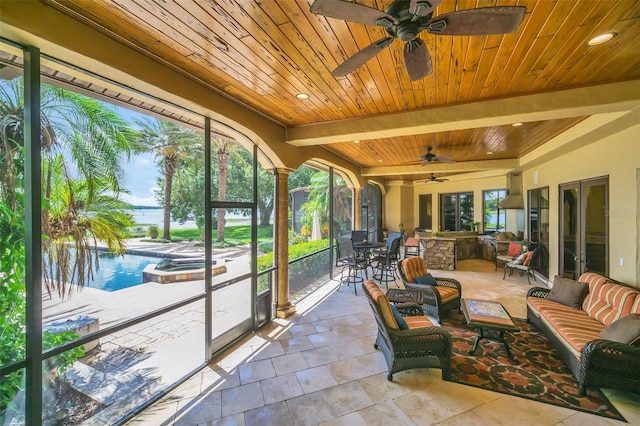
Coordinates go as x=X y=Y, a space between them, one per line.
x=280 y=388
x=274 y=414
x=315 y=379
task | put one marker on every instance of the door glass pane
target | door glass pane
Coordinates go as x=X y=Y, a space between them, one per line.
x=232 y=296
x=448 y=220
x=466 y=212
x=426 y=212
x=12 y=234
x=231 y=170
x=595 y=228
x=569 y=225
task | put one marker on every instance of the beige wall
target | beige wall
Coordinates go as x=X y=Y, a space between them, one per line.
x=618 y=157
x=398 y=205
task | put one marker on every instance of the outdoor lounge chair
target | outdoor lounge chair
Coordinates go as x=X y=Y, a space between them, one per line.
x=420 y=345
x=526 y=267
x=438 y=298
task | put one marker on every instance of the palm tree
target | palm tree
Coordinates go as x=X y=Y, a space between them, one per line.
x=171 y=143
x=83 y=145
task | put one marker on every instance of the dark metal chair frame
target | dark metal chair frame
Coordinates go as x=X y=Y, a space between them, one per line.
x=528 y=268
x=384 y=263
x=346 y=258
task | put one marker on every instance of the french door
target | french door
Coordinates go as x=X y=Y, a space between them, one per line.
x=584 y=227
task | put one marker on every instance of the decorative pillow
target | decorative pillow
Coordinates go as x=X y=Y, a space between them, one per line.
x=402 y=324
x=624 y=330
x=514 y=249
x=426 y=279
x=568 y=292
x=527 y=258
x=520 y=259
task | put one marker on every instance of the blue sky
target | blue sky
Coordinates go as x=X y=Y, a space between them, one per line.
x=141 y=170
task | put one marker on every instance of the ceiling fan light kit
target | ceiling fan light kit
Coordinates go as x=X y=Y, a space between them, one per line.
x=405 y=19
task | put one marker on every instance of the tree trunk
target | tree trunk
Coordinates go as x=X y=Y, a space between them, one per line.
x=169 y=170
x=264 y=211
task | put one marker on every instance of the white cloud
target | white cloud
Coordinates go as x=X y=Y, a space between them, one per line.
x=139 y=201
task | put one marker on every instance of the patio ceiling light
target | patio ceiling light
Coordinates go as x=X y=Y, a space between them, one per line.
x=601 y=39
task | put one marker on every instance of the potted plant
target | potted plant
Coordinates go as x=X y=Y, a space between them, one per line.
x=525 y=244
x=153 y=231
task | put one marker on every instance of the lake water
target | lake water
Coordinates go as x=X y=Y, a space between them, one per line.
x=156 y=217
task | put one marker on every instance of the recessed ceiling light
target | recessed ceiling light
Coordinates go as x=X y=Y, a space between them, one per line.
x=517 y=124
x=302 y=96
x=489 y=152
x=602 y=38
x=379 y=161
x=356 y=141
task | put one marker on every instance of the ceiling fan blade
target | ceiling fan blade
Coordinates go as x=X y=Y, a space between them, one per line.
x=351 y=12
x=361 y=57
x=482 y=21
x=417 y=59
x=421 y=8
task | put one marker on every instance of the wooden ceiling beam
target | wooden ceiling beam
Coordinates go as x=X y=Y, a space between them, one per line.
x=579 y=102
x=462 y=167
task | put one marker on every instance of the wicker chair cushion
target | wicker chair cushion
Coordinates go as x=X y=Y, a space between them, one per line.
x=383 y=303
x=414 y=267
x=447 y=294
x=418 y=321
x=520 y=259
x=402 y=324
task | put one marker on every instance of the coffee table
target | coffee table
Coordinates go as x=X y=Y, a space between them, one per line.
x=491 y=319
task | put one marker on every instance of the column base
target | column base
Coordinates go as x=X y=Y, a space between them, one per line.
x=285 y=311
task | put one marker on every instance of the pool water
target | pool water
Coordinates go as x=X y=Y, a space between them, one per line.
x=120 y=271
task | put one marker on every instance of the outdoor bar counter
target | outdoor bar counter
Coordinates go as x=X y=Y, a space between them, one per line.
x=443 y=250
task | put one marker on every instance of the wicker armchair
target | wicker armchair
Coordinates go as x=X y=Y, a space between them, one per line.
x=437 y=299
x=422 y=345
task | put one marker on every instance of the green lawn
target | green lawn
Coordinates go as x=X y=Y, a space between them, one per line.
x=234 y=235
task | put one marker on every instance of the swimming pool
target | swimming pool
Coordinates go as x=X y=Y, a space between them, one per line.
x=120 y=271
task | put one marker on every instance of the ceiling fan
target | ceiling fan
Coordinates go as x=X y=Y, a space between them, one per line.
x=430 y=157
x=405 y=19
x=432 y=178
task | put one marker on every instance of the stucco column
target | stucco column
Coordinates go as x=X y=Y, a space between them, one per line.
x=284 y=307
x=356 y=208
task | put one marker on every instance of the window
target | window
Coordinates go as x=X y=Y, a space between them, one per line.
x=494 y=218
x=456 y=211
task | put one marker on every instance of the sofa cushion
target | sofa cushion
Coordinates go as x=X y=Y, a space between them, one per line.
x=383 y=303
x=609 y=302
x=414 y=267
x=568 y=292
x=528 y=257
x=426 y=279
x=402 y=324
x=635 y=308
x=573 y=326
x=624 y=330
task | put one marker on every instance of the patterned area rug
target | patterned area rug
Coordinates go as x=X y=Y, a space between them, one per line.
x=539 y=373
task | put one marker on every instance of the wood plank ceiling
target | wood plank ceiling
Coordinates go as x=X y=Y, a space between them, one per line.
x=264 y=52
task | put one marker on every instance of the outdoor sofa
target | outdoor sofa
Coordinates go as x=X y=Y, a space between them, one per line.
x=594 y=323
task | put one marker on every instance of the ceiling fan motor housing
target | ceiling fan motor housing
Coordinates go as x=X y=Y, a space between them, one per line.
x=409 y=25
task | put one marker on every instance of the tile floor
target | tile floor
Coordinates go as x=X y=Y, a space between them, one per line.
x=319 y=367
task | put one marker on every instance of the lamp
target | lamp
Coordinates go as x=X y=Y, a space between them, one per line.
x=365 y=210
